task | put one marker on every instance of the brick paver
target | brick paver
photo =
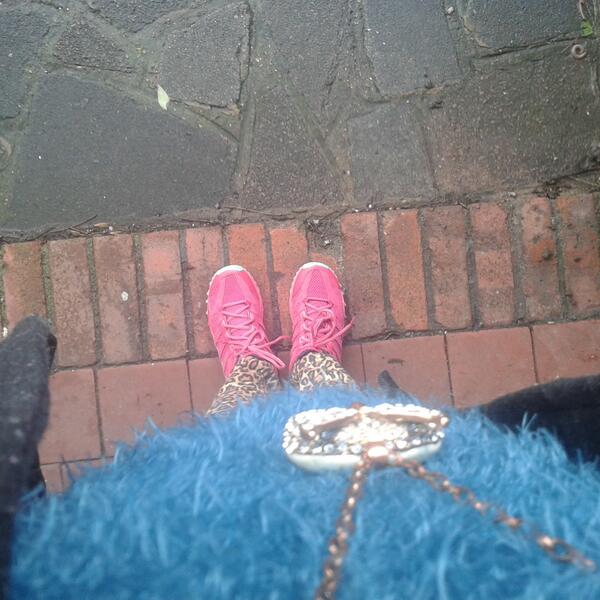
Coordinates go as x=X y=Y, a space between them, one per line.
x=488 y=364
x=581 y=253
x=364 y=280
x=23 y=283
x=204 y=249
x=447 y=252
x=131 y=394
x=73 y=430
x=73 y=308
x=53 y=478
x=567 y=349
x=206 y=377
x=493 y=264
x=163 y=290
x=445 y=263
x=418 y=365
x=539 y=256
x=117 y=299
x=405 y=277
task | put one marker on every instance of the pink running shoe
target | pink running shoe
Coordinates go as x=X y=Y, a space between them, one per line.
x=235 y=317
x=318 y=312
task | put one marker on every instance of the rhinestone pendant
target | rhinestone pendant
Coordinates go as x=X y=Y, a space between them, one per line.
x=336 y=438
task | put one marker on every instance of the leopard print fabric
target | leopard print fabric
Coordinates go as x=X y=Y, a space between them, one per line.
x=251 y=377
x=317 y=369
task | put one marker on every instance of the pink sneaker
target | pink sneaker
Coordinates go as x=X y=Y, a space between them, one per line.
x=235 y=317
x=318 y=312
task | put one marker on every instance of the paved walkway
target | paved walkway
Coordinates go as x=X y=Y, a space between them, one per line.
x=460 y=305
x=283 y=103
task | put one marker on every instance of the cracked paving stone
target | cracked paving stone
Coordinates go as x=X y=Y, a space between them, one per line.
x=21 y=34
x=133 y=15
x=83 y=45
x=509 y=23
x=409 y=44
x=91 y=151
x=307 y=35
x=287 y=167
x=389 y=160
x=527 y=124
x=205 y=61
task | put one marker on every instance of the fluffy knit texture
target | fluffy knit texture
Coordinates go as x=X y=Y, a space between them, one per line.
x=214 y=510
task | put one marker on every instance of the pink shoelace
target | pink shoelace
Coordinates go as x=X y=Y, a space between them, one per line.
x=250 y=340
x=318 y=324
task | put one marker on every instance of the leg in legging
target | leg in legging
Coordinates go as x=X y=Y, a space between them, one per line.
x=251 y=377
x=317 y=369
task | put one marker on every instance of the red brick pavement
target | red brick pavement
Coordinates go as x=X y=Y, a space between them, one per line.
x=460 y=304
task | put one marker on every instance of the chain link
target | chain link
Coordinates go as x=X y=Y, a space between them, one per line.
x=344 y=528
x=337 y=548
x=555 y=547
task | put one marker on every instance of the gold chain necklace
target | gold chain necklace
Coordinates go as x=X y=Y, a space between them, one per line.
x=388 y=435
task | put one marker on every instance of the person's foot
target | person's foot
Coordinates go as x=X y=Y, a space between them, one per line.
x=235 y=317
x=318 y=312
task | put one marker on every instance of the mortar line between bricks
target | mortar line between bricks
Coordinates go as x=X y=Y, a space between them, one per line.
x=3 y=314
x=91 y=262
x=47 y=283
x=362 y=361
x=556 y=224
x=535 y=368
x=389 y=335
x=427 y=274
x=515 y=232
x=273 y=287
x=189 y=382
x=99 y=411
x=187 y=295
x=225 y=244
x=74 y=461
x=448 y=369
x=210 y=220
x=472 y=280
x=596 y=202
x=141 y=294
x=387 y=306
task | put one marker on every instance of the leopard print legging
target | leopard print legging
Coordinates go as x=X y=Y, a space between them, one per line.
x=252 y=377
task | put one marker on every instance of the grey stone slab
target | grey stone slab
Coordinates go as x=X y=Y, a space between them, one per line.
x=204 y=61
x=508 y=23
x=307 y=36
x=389 y=161
x=519 y=119
x=287 y=166
x=81 y=44
x=409 y=44
x=90 y=151
x=21 y=34
x=134 y=15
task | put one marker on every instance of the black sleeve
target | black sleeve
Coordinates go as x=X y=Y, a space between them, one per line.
x=25 y=360
x=569 y=408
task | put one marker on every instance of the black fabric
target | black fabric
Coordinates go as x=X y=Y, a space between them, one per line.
x=25 y=360
x=569 y=408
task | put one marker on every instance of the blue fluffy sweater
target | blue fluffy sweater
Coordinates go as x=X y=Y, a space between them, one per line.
x=215 y=510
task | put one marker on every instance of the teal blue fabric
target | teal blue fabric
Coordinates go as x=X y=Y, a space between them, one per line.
x=214 y=510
